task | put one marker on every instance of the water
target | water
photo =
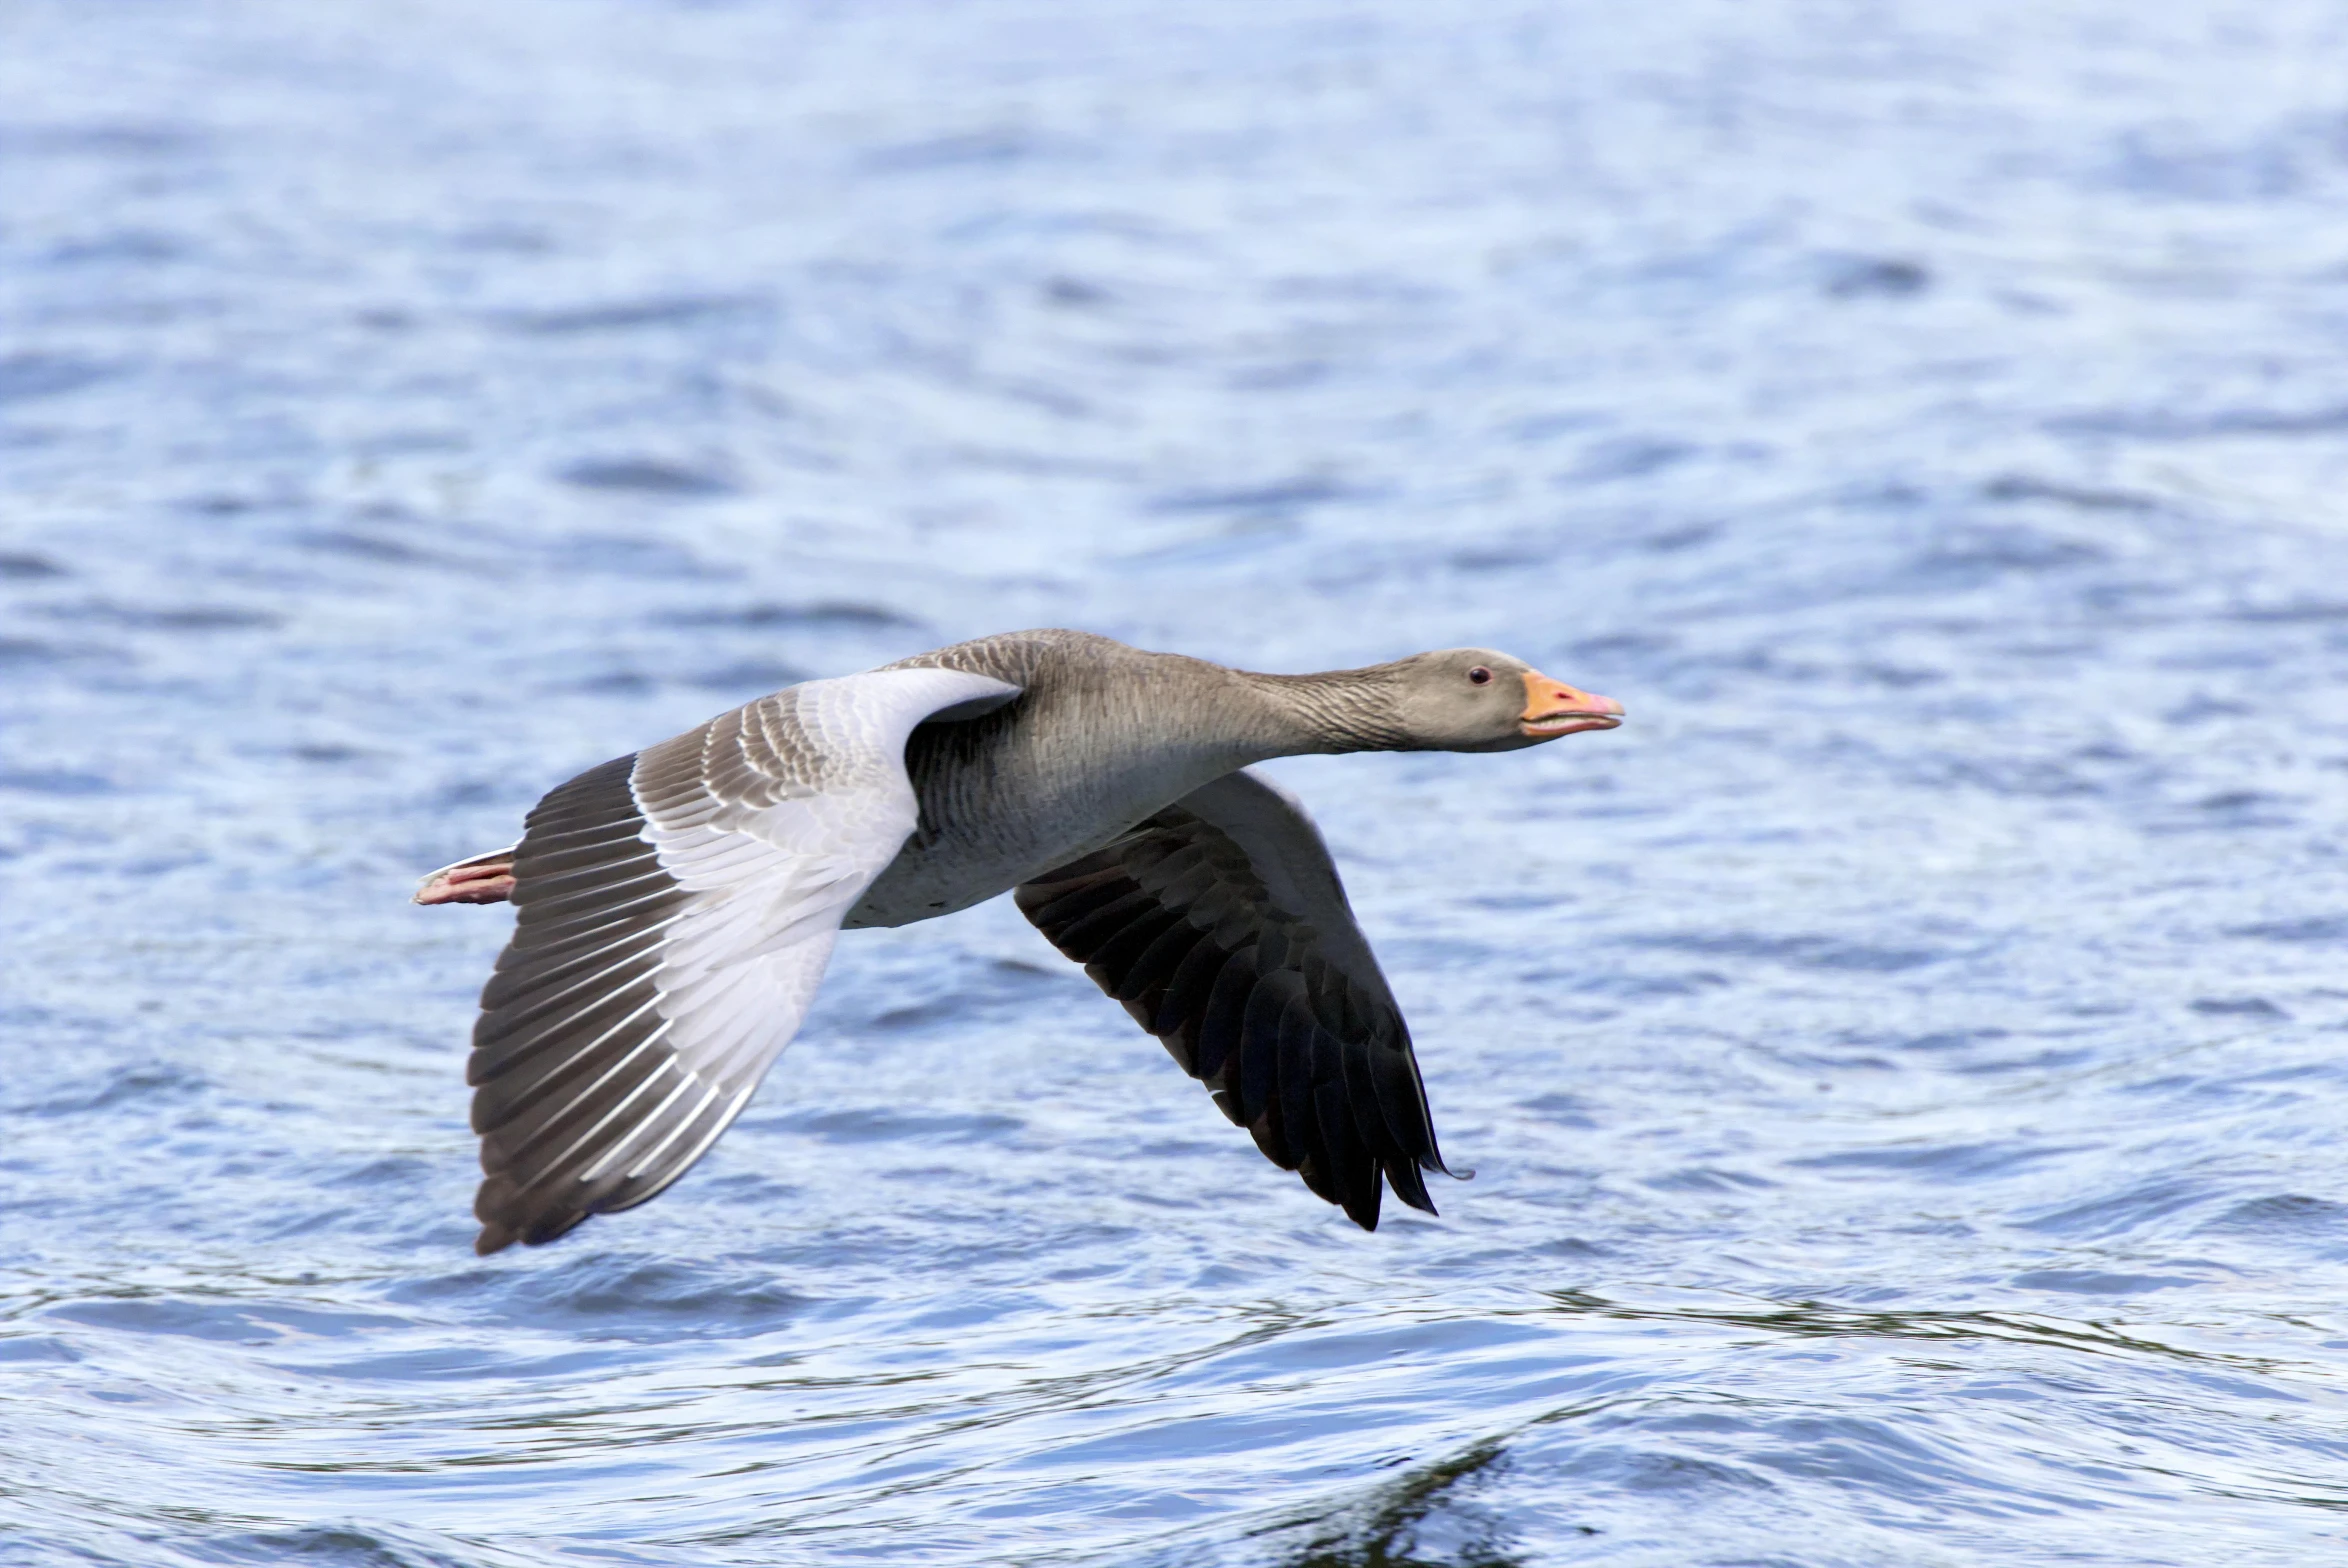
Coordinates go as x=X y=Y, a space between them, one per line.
x=1902 y=1068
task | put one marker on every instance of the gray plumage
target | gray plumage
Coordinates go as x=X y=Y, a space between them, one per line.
x=677 y=907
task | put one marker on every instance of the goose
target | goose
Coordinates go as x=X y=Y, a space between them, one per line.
x=676 y=907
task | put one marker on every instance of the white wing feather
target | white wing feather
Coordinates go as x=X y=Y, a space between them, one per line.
x=759 y=848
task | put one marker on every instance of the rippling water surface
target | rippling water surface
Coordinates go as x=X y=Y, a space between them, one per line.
x=1903 y=1068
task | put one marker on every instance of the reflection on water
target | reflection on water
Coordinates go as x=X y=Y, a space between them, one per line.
x=1813 y=1318
x=1902 y=1066
x=1426 y=1518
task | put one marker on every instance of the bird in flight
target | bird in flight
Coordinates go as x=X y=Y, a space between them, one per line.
x=676 y=907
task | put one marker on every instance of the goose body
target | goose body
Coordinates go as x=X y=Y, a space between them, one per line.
x=676 y=907
x=1092 y=746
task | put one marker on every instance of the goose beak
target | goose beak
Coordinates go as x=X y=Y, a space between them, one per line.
x=1553 y=708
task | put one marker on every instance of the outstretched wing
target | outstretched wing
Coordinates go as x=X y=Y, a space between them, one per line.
x=1222 y=927
x=677 y=908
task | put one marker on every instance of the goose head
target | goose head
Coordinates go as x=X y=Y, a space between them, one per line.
x=1477 y=699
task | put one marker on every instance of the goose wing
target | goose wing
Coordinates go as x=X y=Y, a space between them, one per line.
x=1221 y=925
x=676 y=910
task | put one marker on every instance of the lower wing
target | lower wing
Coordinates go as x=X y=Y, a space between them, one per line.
x=1221 y=925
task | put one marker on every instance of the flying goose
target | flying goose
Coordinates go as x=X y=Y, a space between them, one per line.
x=677 y=906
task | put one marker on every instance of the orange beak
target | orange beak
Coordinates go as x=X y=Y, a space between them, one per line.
x=1554 y=708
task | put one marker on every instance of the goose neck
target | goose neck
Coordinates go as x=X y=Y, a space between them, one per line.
x=1336 y=711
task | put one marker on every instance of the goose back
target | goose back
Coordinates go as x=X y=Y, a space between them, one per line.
x=1101 y=736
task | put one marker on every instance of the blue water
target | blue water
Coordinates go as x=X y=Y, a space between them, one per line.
x=1903 y=1068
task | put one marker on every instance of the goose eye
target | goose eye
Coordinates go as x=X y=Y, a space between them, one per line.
x=1479 y=676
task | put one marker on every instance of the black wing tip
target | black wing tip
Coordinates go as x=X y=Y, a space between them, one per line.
x=507 y=1217
x=1403 y=1177
x=497 y=1235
